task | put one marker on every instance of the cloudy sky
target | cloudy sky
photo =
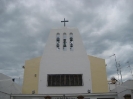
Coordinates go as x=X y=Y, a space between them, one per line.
x=106 y=27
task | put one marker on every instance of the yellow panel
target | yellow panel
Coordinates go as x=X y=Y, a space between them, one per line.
x=98 y=75
x=30 y=82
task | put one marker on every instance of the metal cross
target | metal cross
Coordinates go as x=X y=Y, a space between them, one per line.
x=65 y=21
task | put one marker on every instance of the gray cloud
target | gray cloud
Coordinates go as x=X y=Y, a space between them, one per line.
x=105 y=27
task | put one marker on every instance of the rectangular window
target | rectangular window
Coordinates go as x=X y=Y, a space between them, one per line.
x=64 y=79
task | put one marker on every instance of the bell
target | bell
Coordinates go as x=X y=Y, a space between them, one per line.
x=64 y=40
x=58 y=39
x=57 y=45
x=64 y=45
x=71 y=39
x=71 y=45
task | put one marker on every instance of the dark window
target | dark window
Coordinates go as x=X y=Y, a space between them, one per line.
x=64 y=80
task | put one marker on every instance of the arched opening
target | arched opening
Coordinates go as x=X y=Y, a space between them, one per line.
x=71 y=41
x=58 y=41
x=64 y=41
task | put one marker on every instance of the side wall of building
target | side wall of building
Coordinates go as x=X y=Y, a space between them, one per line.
x=31 y=75
x=98 y=75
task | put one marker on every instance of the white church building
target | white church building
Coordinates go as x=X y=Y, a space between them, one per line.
x=64 y=66
x=65 y=71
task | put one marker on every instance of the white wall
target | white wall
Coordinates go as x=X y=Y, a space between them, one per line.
x=122 y=93
x=64 y=62
x=111 y=86
x=123 y=89
x=7 y=87
x=67 y=96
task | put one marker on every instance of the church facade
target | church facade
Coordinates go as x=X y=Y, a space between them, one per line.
x=65 y=67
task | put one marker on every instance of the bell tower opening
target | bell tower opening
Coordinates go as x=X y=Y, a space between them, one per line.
x=58 y=41
x=71 y=41
x=64 y=41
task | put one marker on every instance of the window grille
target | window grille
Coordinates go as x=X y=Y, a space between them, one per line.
x=64 y=80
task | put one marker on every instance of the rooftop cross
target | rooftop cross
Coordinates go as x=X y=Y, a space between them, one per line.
x=65 y=21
